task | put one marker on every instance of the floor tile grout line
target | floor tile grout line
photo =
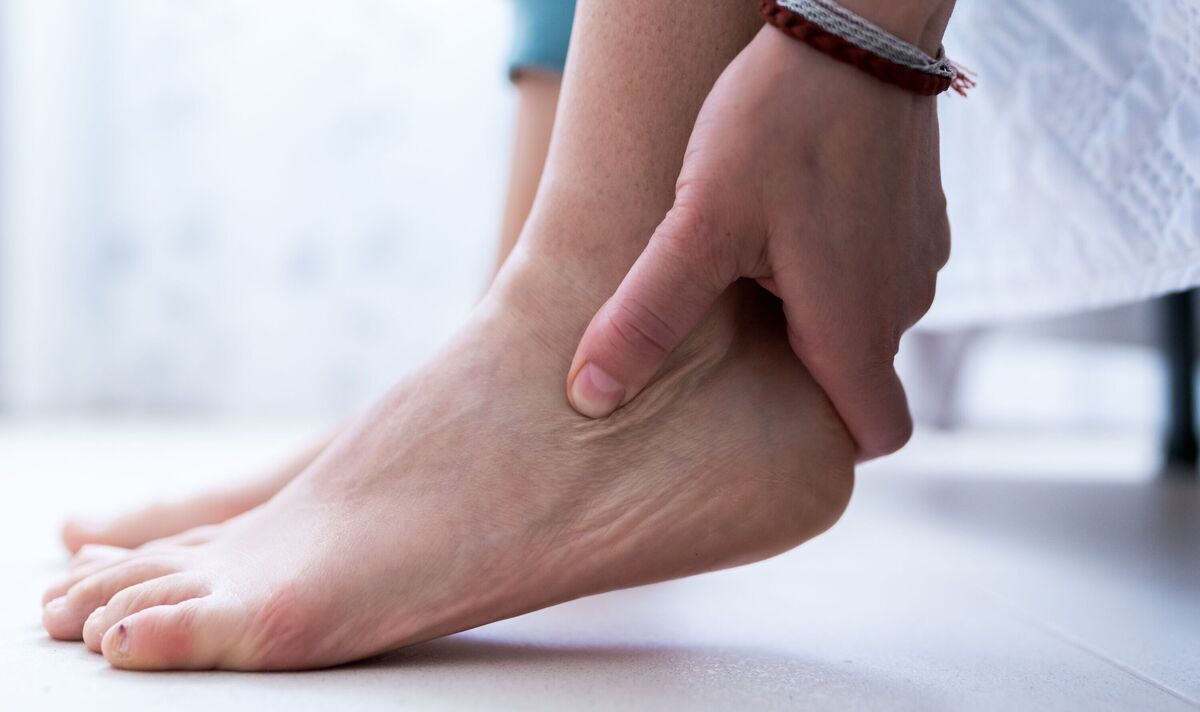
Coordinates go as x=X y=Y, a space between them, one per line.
x=1079 y=644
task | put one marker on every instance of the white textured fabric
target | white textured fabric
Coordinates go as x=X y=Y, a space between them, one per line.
x=1073 y=169
x=837 y=20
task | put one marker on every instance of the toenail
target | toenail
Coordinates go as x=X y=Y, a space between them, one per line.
x=595 y=393
x=97 y=613
x=57 y=604
x=122 y=638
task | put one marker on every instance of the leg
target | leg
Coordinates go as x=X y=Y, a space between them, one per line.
x=537 y=103
x=537 y=98
x=472 y=492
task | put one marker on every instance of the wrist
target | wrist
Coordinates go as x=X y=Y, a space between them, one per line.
x=918 y=22
x=794 y=27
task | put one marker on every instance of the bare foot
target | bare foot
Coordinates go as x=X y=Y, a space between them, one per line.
x=473 y=493
x=91 y=539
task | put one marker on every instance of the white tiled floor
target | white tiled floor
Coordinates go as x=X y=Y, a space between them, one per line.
x=936 y=591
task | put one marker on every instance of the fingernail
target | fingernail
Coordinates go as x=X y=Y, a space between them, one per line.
x=122 y=638
x=595 y=393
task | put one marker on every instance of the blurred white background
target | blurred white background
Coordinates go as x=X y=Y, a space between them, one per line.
x=241 y=208
x=225 y=209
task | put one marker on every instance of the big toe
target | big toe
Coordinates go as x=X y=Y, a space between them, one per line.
x=167 y=590
x=191 y=635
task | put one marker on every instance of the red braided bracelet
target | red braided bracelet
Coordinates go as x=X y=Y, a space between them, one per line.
x=843 y=50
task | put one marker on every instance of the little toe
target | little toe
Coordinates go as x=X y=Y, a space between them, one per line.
x=64 y=616
x=128 y=530
x=78 y=533
x=191 y=635
x=164 y=591
x=162 y=520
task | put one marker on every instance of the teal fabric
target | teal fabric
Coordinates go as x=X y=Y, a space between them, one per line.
x=542 y=32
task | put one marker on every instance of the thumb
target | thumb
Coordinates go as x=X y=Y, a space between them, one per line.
x=664 y=296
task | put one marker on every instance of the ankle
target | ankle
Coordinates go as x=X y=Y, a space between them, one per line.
x=551 y=294
x=575 y=249
x=595 y=226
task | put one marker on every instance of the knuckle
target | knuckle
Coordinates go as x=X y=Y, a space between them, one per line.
x=943 y=252
x=685 y=231
x=687 y=216
x=862 y=348
x=693 y=235
x=924 y=296
x=881 y=347
x=636 y=328
x=127 y=599
x=892 y=439
x=82 y=592
x=187 y=619
x=941 y=240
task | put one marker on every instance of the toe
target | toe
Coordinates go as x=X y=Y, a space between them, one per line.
x=192 y=635
x=80 y=571
x=91 y=556
x=129 y=530
x=92 y=553
x=175 y=588
x=156 y=522
x=78 y=533
x=64 y=616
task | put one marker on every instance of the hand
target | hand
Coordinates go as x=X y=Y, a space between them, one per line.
x=821 y=183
